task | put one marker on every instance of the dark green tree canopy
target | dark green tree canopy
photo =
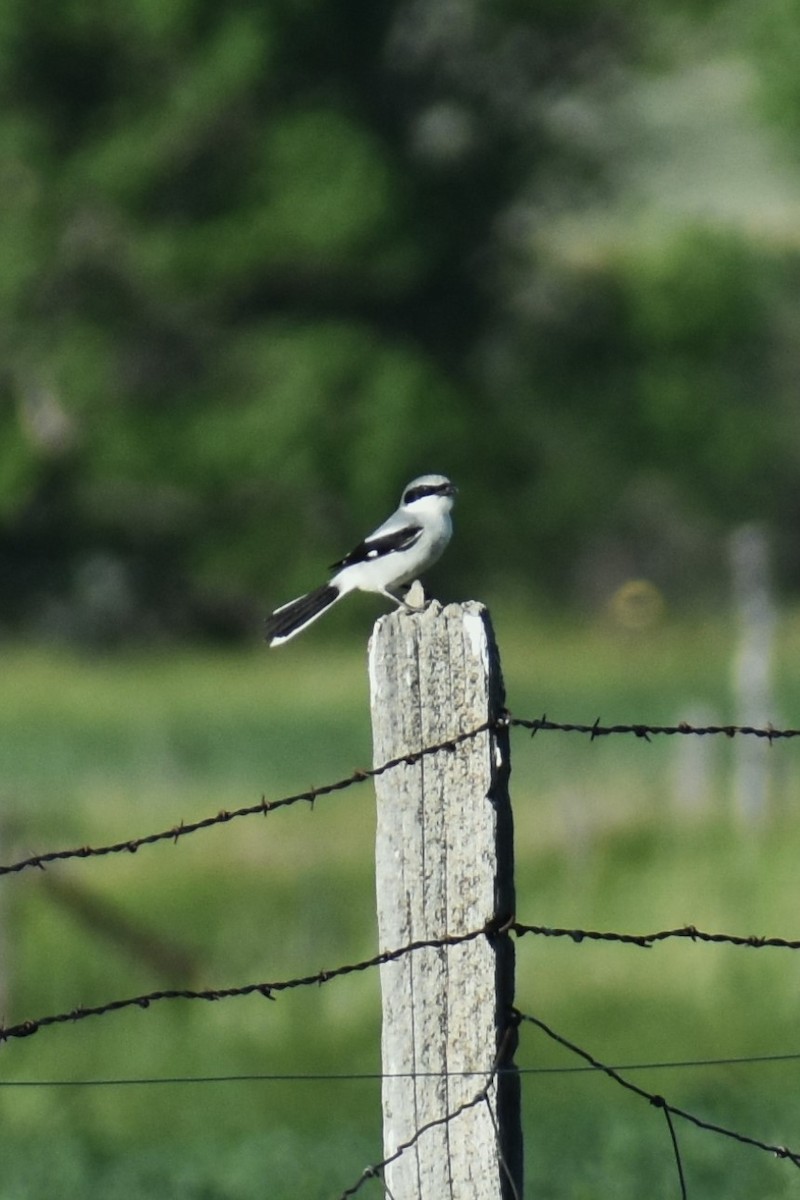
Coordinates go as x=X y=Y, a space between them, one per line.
x=263 y=263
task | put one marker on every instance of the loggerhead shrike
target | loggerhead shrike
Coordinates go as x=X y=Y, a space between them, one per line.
x=392 y=556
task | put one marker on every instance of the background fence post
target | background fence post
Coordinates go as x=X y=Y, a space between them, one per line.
x=752 y=666
x=445 y=865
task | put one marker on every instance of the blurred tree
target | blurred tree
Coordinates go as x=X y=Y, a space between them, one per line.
x=263 y=263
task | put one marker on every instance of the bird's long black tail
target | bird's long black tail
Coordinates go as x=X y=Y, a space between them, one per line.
x=286 y=622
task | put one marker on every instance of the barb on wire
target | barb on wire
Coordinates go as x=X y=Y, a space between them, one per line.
x=269 y=991
x=647 y=940
x=656 y=1100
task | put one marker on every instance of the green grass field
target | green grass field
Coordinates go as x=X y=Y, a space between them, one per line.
x=98 y=749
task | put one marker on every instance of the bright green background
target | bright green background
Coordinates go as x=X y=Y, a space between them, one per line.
x=97 y=749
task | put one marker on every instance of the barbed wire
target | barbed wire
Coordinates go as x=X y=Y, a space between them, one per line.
x=656 y=1100
x=362 y=775
x=492 y=928
x=268 y=991
x=263 y=808
x=376 y=1170
x=646 y=941
x=646 y=731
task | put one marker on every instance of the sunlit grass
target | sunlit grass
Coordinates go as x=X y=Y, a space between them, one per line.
x=94 y=749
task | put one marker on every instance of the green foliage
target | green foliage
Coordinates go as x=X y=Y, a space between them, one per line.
x=699 y=313
x=18 y=471
x=106 y=747
x=286 y=1164
x=261 y=264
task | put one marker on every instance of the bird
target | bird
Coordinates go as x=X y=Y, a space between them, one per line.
x=388 y=559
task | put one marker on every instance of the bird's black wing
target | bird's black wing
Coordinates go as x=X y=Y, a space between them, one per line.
x=381 y=544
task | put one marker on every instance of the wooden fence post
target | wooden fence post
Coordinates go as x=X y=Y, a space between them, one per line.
x=752 y=666
x=445 y=865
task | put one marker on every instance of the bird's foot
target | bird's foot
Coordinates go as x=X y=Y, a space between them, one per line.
x=413 y=598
